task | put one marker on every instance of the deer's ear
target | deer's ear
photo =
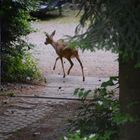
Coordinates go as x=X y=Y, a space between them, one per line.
x=53 y=33
x=46 y=34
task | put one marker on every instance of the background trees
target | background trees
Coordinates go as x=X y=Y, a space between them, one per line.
x=114 y=25
x=16 y=63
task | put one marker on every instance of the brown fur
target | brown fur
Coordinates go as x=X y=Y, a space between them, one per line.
x=63 y=50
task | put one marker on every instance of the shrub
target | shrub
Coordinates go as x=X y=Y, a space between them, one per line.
x=99 y=116
x=15 y=25
x=21 y=69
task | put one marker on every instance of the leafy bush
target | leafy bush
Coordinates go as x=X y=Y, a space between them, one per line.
x=21 y=69
x=77 y=136
x=15 y=25
x=99 y=116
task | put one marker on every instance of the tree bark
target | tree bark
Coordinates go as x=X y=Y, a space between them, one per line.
x=129 y=77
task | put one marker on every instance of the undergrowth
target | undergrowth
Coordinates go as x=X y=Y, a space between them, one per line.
x=21 y=68
x=99 y=116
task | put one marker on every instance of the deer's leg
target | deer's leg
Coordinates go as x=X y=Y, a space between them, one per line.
x=62 y=67
x=55 y=63
x=70 y=66
x=77 y=57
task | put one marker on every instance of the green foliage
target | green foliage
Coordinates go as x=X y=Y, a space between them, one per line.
x=21 y=69
x=113 y=25
x=15 y=16
x=82 y=94
x=77 y=136
x=96 y=116
x=99 y=115
x=15 y=25
x=112 y=81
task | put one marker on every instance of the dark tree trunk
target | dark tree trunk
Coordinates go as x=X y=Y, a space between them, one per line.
x=129 y=78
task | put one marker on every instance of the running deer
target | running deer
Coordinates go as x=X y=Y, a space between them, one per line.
x=63 y=51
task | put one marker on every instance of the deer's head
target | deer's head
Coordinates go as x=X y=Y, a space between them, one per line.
x=49 y=38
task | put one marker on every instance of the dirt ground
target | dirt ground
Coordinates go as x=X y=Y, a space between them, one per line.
x=53 y=127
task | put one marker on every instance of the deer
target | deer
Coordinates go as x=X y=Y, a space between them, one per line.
x=63 y=51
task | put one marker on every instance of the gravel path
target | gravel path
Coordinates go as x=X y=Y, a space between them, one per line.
x=99 y=64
